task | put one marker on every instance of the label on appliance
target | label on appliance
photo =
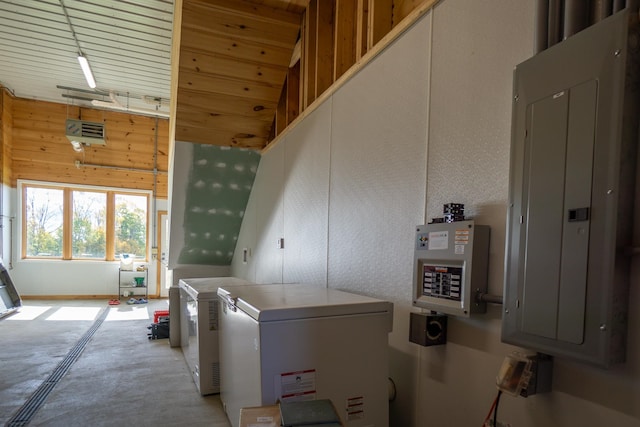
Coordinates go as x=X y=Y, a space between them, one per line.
x=462 y=237
x=297 y=386
x=438 y=240
x=459 y=249
x=355 y=408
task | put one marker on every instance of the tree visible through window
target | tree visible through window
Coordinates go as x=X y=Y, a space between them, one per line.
x=131 y=225
x=71 y=223
x=89 y=238
x=44 y=218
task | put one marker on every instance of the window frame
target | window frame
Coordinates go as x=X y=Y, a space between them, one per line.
x=67 y=223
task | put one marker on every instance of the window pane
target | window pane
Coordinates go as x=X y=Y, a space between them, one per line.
x=131 y=225
x=44 y=222
x=89 y=225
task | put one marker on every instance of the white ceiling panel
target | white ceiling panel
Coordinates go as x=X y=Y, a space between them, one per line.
x=127 y=43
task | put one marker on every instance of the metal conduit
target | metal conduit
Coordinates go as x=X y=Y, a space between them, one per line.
x=575 y=17
x=600 y=9
x=541 y=39
x=557 y=20
x=554 y=28
x=79 y=164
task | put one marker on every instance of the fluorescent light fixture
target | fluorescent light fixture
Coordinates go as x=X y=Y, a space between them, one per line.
x=86 y=69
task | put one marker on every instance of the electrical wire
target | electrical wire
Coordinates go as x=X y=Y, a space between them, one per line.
x=493 y=405
x=495 y=409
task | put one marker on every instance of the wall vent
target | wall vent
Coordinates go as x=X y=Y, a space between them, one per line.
x=87 y=133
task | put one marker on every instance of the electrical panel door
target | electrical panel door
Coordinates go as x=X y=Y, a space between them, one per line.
x=571 y=195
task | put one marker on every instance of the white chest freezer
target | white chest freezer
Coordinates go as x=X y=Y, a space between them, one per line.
x=302 y=342
x=199 y=329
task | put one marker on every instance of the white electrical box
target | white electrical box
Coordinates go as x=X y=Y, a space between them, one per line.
x=450 y=267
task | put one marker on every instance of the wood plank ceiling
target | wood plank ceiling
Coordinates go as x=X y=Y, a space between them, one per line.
x=233 y=61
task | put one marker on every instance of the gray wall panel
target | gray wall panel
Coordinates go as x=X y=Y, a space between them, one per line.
x=306 y=199
x=269 y=216
x=378 y=169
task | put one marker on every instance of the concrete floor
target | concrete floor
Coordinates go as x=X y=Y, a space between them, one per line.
x=120 y=378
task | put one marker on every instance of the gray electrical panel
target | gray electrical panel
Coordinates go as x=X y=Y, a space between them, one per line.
x=573 y=157
x=450 y=266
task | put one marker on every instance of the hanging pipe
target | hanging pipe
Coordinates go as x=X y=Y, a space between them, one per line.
x=541 y=31
x=576 y=16
x=555 y=22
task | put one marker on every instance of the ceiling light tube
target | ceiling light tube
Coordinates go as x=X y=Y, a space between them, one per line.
x=86 y=69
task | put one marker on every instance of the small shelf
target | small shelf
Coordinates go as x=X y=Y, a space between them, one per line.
x=125 y=279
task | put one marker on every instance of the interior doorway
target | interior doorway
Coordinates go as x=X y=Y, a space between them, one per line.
x=162 y=290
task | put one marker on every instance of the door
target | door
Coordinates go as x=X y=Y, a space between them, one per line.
x=163 y=279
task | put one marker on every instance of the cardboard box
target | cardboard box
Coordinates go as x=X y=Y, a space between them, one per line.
x=260 y=416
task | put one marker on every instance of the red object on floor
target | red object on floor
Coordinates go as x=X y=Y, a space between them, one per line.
x=158 y=313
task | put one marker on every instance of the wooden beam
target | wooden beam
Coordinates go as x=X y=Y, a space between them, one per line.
x=422 y=8
x=362 y=28
x=6 y=135
x=293 y=93
x=176 y=44
x=324 y=46
x=380 y=20
x=281 y=112
x=309 y=54
x=344 y=37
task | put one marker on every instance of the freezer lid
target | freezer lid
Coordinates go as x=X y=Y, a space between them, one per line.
x=207 y=287
x=267 y=303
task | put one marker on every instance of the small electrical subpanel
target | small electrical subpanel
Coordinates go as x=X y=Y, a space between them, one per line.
x=450 y=265
x=525 y=375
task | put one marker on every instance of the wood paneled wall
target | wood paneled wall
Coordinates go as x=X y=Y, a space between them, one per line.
x=6 y=111
x=336 y=36
x=42 y=152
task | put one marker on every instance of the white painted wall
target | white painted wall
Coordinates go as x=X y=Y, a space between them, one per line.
x=74 y=278
x=6 y=221
x=427 y=123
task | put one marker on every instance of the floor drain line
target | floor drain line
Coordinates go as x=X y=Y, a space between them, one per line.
x=26 y=412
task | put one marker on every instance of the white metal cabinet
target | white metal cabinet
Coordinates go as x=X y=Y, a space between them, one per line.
x=199 y=329
x=298 y=342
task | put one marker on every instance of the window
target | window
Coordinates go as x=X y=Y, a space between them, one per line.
x=61 y=222
x=89 y=235
x=131 y=225
x=43 y=221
